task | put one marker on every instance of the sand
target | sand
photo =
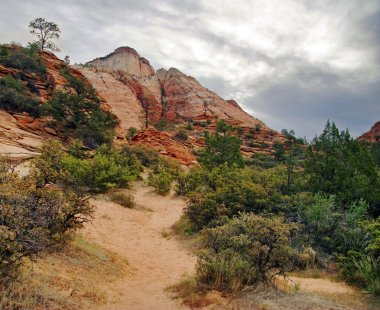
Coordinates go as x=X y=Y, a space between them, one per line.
x=155 y=259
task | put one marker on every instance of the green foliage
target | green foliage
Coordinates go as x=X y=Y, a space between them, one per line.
x=279 y=151
x=147 y=156
x=13 y=97
x=81 y=112
x=26 y=59
x=76 y=149
x=125 y=200
x=225 y=191
x=339 y=165
x=162 y=182
x=45 y=32
x=369 y=268
x=247 y=250
x=182 y=134
x=223 y=128
x=221 y=148
x=35 y=218
x=108 y=168
x=375 y=150
x=331 y=228
x=163 y=124
x=240 y=131
x=131 y=133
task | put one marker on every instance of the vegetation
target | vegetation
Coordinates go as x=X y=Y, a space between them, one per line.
x=131 y=132
x=181 y=134
x=221 y=148
x=35 y=217
x=45 y=32
x=26 y=59
x=328 y=191
x=14 y=97
x=247 y=250
x=162 y=182
x=80 y=113
x=125 y=200
x=339 y=165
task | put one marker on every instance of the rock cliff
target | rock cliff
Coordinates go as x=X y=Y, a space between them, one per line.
x=20 y=133
x=141 y=97
x=373 y=135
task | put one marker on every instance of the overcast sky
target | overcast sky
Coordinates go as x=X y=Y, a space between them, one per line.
x=291 y=63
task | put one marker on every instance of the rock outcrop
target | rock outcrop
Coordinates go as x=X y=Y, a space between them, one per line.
x=125 y=59
x=373 y=135
x=142 y=98
x=21 y=134
x=139 y=97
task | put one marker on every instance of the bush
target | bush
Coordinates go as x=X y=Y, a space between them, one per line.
x=181 y=134
x=13 y=97
x=225 y=191
x=81 y=113
x=108 y=168
x=369 y=268
x=247 y=250
x=131 y=133
x=147 y=156
x=162 y=182
x=35 y=218
x=125 y=200
x=221 y=148
x=25 y=59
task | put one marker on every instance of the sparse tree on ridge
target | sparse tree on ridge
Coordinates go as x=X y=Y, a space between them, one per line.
x=45 y=32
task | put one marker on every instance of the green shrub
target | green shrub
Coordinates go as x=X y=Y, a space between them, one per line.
x=220 y=149
x=162 y=182
x=125 y=200
x=25 y=59
x=247 y=250
x=131 y=133
x=108 y=168
x=80 y=113
x=369 y=268
x=13 y=97
x=240 y=130
x=225 y=191
x=35 y=218
x=181 y=134
x=146 y=155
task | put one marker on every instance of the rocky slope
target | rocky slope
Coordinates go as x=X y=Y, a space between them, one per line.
x=373 y=135
x=20 y=133
x=140 y=97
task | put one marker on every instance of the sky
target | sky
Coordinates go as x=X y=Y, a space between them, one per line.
x=291 y=63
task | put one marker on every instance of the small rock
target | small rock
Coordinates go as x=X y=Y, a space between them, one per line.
x=51 y=131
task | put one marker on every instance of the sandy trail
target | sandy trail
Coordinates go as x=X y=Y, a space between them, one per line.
x=155 y=261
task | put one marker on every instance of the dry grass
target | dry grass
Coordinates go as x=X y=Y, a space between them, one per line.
x=71 y=279
x=190 y=294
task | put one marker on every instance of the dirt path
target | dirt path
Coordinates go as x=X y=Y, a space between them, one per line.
x=156 y=261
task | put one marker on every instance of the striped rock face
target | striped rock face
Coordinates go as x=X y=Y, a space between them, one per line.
x=138 y=95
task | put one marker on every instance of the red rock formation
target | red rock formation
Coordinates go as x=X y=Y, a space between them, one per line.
x=174 y=96
x=373 y=135
x=166 y=145
x=21 y=134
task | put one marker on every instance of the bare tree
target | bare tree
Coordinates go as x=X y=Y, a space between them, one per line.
x=45 y=32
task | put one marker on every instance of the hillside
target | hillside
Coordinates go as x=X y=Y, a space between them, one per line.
x=373 y=135
x=139 y=96
x=28 y=80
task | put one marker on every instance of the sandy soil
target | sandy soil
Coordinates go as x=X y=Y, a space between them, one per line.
x=140 y=236
x=322 y=286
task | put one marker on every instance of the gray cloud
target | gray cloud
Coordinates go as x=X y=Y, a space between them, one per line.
x=293 y=67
